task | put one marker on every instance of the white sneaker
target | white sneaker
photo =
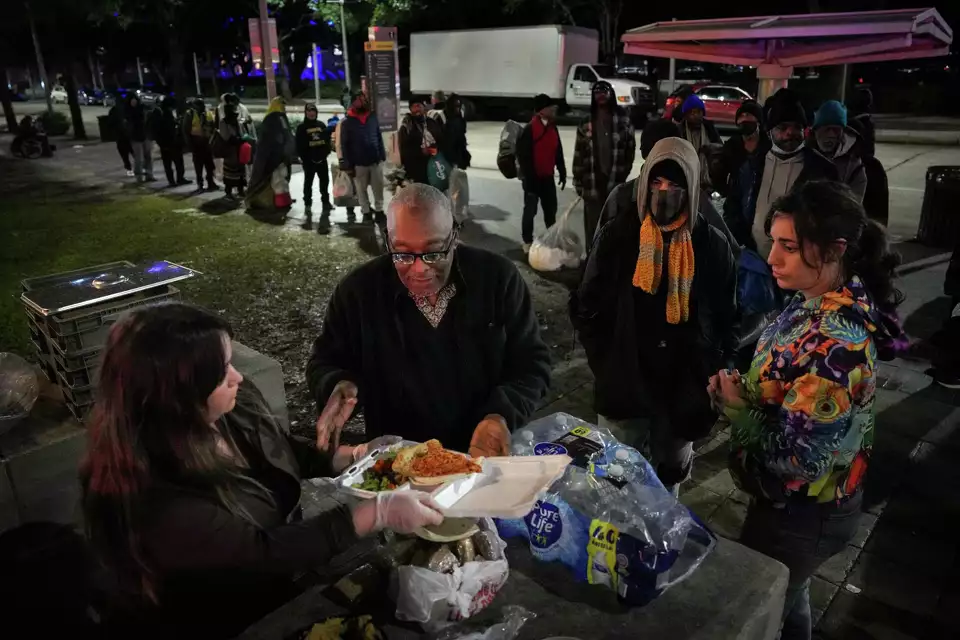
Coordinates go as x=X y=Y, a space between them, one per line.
x=130 y=173
x=526 y=248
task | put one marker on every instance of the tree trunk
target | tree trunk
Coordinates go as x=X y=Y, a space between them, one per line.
x=93 y=71
x=176 y=64
x=8 y=113
x=79 y=131
x=215 y=71
x=36 y=48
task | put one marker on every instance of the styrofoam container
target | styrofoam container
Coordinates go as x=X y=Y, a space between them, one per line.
x=353 y=475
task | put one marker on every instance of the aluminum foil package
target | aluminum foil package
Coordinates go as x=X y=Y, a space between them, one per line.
x=609 y=520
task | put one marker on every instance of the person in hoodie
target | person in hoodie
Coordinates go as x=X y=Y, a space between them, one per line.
x=231 y=139
x=788 y=164
x=802 y=418
x=454 y=138
x=198 y=126
x=364 y=155
x=694 y=126
x=166 y=131
x=420 y=138
x=313 y=147
x=750 y=141
x=604 y=154
x=876 y=199
x=841 y=144
x=656 y=311
x=135 y=120
x=276 y=150
x=539 y=156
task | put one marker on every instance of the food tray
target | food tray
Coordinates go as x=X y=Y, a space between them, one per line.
x=354 y=473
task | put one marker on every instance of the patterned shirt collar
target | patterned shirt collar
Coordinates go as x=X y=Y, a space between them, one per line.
x=434 y=313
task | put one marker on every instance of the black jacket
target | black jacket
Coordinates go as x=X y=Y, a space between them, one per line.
x=135 y=122
x=218 y=573
x=313 y=141
x=709 y=128
x=455 y=139
x=410 y=141
x=604 y=310
x=165 y=128
x=525 y=153
x=497 y=359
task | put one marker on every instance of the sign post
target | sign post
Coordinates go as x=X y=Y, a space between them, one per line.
x=383 y=76
x=316 y=74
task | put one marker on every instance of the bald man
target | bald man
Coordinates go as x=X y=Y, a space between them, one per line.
x=433 y=340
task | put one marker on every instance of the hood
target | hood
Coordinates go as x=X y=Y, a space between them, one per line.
x=608 y=89
x=852 y=305
x=848 y=142
x=362 y=117
x=683 y=153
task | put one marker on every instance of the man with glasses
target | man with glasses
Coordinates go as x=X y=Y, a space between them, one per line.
x=432 y=340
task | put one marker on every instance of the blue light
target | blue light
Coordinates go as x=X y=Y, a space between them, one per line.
x=313 y=23
x=330 y=22
x=116 y=14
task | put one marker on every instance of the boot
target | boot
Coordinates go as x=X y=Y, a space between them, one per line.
x=212 y=186
x=368 y=217
x=327 y=208
x=323 y=224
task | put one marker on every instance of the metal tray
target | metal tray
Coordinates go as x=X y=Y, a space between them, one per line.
x=354 y=473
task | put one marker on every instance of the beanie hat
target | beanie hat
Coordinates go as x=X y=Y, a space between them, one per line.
x=753 y=108
x=413 y=100
x=541 y=101
x=654 y=132
x=861 y=101
x=309 y=107
x=830 y=113
x=784 y=106
x=670 y=170
x=693 y=101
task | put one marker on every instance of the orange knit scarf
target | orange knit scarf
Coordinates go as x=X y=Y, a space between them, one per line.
x=680 y=265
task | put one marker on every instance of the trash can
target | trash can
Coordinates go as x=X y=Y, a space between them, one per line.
x=939 y=222
x=108 y=128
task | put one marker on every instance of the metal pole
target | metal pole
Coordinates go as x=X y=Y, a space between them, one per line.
x=346 y=54
x=316 y=74
x=672 y=78
x=196 y=73
x=140 y=72
x=267 y=51
x=43 y=70
x=843 y=84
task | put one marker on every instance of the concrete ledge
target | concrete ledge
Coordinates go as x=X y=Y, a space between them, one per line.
x=928 y=137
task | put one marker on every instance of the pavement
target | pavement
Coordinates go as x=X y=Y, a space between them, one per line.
x=896 y=578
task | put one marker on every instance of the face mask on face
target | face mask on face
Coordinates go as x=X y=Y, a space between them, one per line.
x=666 y=204
x=747 y=129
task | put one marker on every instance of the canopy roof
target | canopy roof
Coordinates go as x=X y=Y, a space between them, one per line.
x=811 y=39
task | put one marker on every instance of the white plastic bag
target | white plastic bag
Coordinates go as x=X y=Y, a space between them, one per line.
x=559 y=246
x=514 y=617
x=460 y=194
x=438 y=599
x=393 y=150
x=343 y=186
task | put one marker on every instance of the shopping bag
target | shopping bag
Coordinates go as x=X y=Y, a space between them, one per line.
x=393 y=150
x=459 y=194
x=559 y=246
x=438 y=172
x=343 y=186
x=349 y=200
x=245 y=153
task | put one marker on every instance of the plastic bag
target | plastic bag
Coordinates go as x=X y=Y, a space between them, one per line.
x=437 y=599
x=438 y=172
x=507 y=151
x=514 y=617
x=559 y=246
x=624 y=532
x=393 y=150
x=342 y=181
x=460 y=194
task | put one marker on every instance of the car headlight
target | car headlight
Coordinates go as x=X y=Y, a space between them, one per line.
x=623 y=98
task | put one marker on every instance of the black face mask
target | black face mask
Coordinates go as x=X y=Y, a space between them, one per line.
x=666 y=205
x=747 y=129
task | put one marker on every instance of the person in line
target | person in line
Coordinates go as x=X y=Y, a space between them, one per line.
x=191 y=489
x=232 y=137
x=454 y=138
x=750 y=140
x=539 y=156
x=139 y=134
x=364 y=155
x=657 y=317
x=861 y=119
x=124 y=146
x=788 y=164
x=604 y=154
x=165 y=125
x=802 y=418
x=276 y=150
x=313 y=147
x=438 y=102
x=876 y=199
x=198 y=126
x=841 y=144
x=433 y=340
x=694 y=126
x=335 y=123
x=946 y=341
x=419 y=139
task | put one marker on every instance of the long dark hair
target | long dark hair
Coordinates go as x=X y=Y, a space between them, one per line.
x=149 y=426
x=826 y=212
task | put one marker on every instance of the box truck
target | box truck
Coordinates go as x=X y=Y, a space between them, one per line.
x=497 y=72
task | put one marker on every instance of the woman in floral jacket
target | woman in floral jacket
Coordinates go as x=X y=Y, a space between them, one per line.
x=802 y=418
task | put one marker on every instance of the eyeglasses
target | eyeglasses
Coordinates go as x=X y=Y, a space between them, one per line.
x=407 y=258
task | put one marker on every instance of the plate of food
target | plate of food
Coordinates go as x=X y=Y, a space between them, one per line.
x=430 y=465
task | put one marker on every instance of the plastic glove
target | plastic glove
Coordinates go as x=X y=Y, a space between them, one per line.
x=361 y=450
x=406 y=511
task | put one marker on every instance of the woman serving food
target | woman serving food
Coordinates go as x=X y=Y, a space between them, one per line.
x=191 y=491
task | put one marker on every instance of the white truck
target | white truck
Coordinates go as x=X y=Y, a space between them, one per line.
x=501 y=70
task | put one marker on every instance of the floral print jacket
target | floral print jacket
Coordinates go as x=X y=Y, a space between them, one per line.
x=806 y=431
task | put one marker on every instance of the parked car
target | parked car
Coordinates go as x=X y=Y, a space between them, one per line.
x=90 y=96
x=58 y=94
x=721 y=100
x=146 y=96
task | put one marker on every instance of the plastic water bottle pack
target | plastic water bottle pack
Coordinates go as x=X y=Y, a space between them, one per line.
x=608 y=519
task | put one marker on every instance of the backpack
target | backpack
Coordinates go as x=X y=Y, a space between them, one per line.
x=507 y=151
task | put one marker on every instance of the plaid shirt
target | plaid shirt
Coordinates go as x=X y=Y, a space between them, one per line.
x=624 y=146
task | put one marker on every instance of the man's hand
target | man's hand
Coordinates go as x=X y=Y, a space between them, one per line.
x=563 y=182
x=490 y=438
x=338 y=410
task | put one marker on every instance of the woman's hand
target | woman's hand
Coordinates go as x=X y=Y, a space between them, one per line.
x=730 y=392
x=401 y=511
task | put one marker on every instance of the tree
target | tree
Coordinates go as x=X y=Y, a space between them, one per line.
x=603 y=15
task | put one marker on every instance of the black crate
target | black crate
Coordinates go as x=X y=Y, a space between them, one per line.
x=939 y=224
x=76 y=395
x=87 y=361
x=81 y=377
x=80 y=412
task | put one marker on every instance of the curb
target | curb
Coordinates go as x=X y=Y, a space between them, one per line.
x=923 y=263
x=938 y=138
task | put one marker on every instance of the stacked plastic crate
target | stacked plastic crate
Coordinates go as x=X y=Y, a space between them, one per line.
x=68 y=344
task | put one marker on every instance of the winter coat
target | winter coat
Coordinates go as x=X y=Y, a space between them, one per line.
x=165 y=128
x=865 y=128
x=725 y=174
x=708 y=133
x=217 y=571
x=806 y=430
x=487 y=348
x=207 y=124
x=848 y=161
x=361 y=140
x=641 y=364
x=740 y=207
x=135 y=123
x=623 y=144
x=525 y=152
x=313 y=141
x=410 y=142
x=876 y=198
x=454 y=143
x=275 y=147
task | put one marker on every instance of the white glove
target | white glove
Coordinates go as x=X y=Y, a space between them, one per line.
x=406 y=511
